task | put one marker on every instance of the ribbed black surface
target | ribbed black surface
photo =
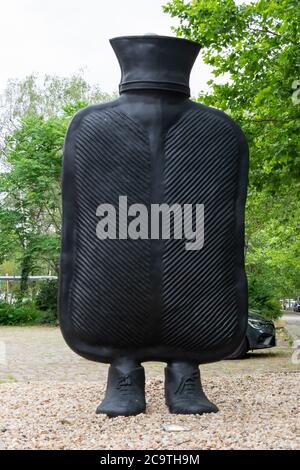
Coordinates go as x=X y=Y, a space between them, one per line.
x=111 y=287
x=110 y=299
x=199 y=297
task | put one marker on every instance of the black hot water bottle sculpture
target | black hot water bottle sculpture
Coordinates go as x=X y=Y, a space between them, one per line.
x=154 y=189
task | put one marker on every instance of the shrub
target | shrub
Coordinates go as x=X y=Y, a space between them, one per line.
x=46 y=301
x=19 y=313
x=262 y=299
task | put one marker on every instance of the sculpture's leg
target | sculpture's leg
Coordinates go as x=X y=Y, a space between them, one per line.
x=183 y=389
x=125 y=391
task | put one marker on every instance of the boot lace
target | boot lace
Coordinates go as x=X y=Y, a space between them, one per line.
x=125 y=385
x=188 y=385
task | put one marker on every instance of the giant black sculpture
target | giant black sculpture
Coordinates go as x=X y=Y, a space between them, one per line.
x=124 y=301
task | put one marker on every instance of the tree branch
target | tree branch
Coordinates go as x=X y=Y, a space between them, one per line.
x=269 y=31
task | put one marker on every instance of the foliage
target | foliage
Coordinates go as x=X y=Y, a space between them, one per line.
x=30 y=207
x=46 y=301
x=47 y=97
x=19 y=313
x=257 y=46
x=273 y=243
x=253 y=50
x=37 y=117
x=261 y=298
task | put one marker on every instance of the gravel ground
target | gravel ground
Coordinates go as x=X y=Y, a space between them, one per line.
x=48 y=397
x=256 y=412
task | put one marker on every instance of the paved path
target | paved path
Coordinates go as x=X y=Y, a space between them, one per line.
x=39 y=353
x=292 y=325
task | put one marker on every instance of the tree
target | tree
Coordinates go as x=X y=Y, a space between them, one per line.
x=30 y=206
x=257 y=46
x=45 y=97
x=254 y=49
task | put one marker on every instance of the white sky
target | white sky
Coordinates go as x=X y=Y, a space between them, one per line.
x=60 y=37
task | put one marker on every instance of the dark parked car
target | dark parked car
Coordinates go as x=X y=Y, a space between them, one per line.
x=260 y=334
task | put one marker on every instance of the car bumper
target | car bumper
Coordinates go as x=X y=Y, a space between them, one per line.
x=260 y=339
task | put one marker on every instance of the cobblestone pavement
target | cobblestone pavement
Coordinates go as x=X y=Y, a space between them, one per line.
x=39 y=353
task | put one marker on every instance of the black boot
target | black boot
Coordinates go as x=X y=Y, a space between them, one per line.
x=183 y=390
x=125 y=391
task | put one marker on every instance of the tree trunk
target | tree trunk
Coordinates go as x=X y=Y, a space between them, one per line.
x=25 y=271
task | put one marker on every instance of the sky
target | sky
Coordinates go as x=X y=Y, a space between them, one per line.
x=60 y=37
